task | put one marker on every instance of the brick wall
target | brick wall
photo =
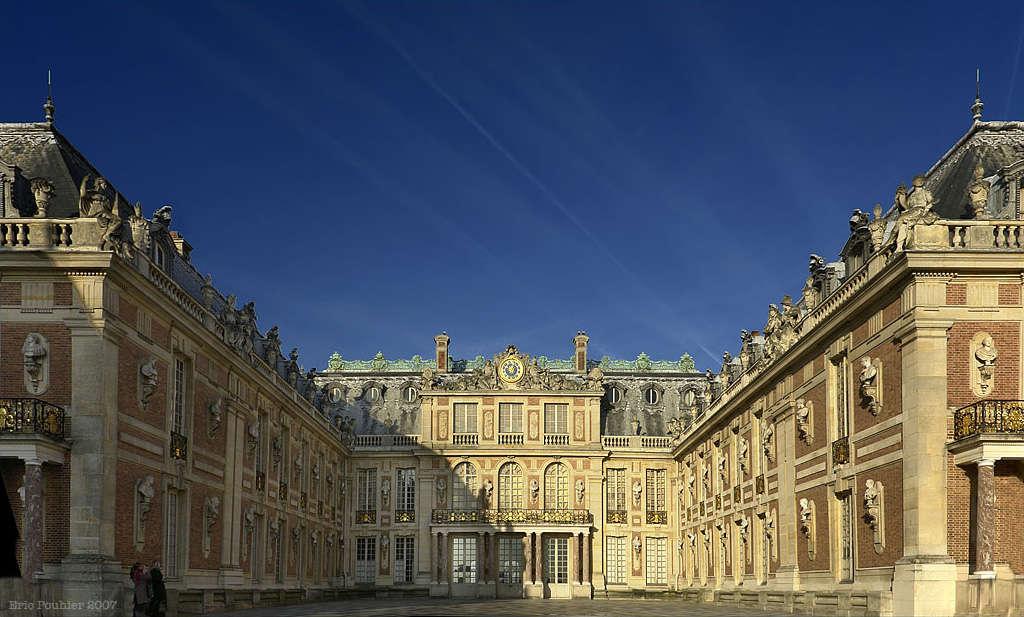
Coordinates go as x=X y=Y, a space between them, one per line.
x=12 y=368
x=10 y=294
x=815 y=395
x=56 y=511
x=130 y=359
x=1006 y=335
x=205 y=396
x=822 y=560
x=152 y=550
x=62 y=294
x=1009 y=294
x=956 y=294
x=1009 y=505
x=197 y=518
x=960 y=492
x=892 y=386
x=891 y=477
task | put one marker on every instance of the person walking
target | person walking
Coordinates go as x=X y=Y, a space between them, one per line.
x=140 y=578
x=158 y=592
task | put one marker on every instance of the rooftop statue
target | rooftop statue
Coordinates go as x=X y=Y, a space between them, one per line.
x=916 y=210
x=978 y=192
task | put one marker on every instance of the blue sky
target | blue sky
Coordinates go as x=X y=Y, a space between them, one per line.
x=373 y=173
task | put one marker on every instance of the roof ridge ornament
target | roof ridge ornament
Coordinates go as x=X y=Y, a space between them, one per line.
x=978 y=106
x=48 y=107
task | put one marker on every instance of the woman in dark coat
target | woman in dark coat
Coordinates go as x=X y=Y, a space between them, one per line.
x=158 y=599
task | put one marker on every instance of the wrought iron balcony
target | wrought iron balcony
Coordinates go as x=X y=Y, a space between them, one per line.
x=179 y=446
x=618 y=516
x=841 y=451
x=31 y=416
x=989 y=417
x=511 y=517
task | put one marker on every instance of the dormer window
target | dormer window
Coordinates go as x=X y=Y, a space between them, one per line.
x=336 y=394
x=614 y=395
x=159 y=257
x=410 y=394
x=652 y=395
x=373 y=394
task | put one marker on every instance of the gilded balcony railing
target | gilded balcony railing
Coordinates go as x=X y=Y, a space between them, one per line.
x=657 y=517
x=405 y=516
x=508 y=517
x=989 y=417
x=179 y=446
x=841 y=451
x=31 y=416
x=618 y=516
x=366 y=516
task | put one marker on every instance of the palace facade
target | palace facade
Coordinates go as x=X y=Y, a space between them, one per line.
x=858 y=455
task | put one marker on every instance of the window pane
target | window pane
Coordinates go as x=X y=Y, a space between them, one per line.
x=556 y=419
x=510 y=560
x=510 y=418
x=656 y=561
x=463 y=559
x=617 y=489
x=556 y=487
x=616 y=550
x=464 y=496
x=510 y=487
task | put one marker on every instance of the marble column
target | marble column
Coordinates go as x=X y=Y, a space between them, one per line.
x=444 y=570
x=587 y=565
x=434 y=562
x=538 y=558
x=985 y=522
x=527 y=558
x=574 y=559
x=32 y=534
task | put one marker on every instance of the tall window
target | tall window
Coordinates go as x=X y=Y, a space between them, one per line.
x=465 y=418
x=367 y=489
x=655 y=490
x=556 y=487
x=261 y=422
x=840 y=371
x=510 y=487
x=179 y=385
x=405 y=559
x=464 y=559
x=846 y=571
x=510 y=560
x=464 y=495
x=171 y=530
x=615 y=547
x=556 y=417
x=510 y=418
x=617 y=490
x=406 y=489
x=656 y=561
x=557 y=569
x=366 y=560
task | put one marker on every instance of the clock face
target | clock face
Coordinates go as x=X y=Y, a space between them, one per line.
x=511 y=369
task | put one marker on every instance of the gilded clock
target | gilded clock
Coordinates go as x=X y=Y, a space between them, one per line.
x=511 y=369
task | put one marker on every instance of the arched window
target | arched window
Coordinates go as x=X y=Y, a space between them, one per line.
x=614 y=395
x=510 y=487
x=464 y=495
x=556 y=487
x=410 y=394
x=652 y=395
x=373 y=393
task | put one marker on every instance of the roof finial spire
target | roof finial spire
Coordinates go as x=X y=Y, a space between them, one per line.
x=978 y=105
x=48 y=107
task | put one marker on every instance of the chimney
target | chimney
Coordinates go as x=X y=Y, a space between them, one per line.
x=441 y=351
x=183 y=247
x=581 y=340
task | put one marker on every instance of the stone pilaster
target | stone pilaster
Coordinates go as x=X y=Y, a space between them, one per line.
x=787 y=576
x=32 y=534
x=985 y=522
x=924 y=580
x=89 y=573
x=527 y=559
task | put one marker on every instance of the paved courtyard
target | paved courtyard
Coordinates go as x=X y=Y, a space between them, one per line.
x=501 y=608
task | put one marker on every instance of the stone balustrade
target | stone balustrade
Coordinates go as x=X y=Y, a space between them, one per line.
x=636 y=442
x=34 y=234
x=373 y=442
x=556 y=440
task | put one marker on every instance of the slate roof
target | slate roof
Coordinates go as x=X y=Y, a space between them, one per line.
x=38 y=149
x=995 y=144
